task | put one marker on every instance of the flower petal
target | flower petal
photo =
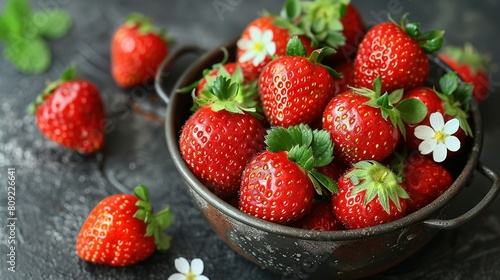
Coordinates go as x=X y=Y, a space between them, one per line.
x=437 y=121
x=182 y=265
x=248 y=55
x=451 y=126
x=201 y=277
x=197 y=266
x=255 y=34
x=424 y=132
x=427 y=146
x=259 y=57
x=267 y=37
x=440 y=152
x=244 y=44
x=177 y=276
x=271 y=48
x=452 y=143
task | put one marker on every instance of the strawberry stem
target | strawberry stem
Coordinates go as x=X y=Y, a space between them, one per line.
x=430 y=42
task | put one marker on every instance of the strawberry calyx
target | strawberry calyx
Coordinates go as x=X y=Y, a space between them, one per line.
x=295 y=47
x=430 y=41
x=456 y=97
x=410 y=110
x=469 y=56
x=156 y=223
x=68 y=75
x=145 y=26
x=378 y=181
x=306 y=147
x=224 y=94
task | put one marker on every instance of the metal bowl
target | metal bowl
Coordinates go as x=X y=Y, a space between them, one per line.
x=307 y=254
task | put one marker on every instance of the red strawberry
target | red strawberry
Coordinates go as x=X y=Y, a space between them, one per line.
x=262 y=40
x=452 y=102
x=369 y=195
x=353 y=31
x=320 y=217
x=278 y=184
x=397 y=53
x=122 y=230
x=137 y=50
x=346 y=69
x=424 y=181
x=71 y=113
x=471 y=66
x=365 y=125
x=334 y=169
x=224 y=69
x=220 y=138
x=294 y=89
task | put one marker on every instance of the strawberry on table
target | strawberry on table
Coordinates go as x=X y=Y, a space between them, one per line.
x=137 y=50
x=295 y=89
x=278 y=184
x=366 y=125
x=220 y=138
x=122 y=230
x=397 y=53
x=471 y=66
x=71 y=113
x=320 y=217
x=369 y=195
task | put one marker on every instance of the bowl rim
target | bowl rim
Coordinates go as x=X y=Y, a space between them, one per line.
x=419 y=216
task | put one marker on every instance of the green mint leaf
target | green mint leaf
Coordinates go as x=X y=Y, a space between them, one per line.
x=52 y=23
x=295 y=47
x=302 y=155
x=448 y=83
x=322 y=147
x=412 y=110
x=30 y=56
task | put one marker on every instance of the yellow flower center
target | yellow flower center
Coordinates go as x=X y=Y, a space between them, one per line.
x=190 y=276
x=258 y=46
x=440 y=136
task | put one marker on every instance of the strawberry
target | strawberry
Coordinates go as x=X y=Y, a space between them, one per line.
x=320 y=217
x=221 y=69
x=397 y=53
x=369 y=195
x=294 y=89
x=423 y=179
x=278 y=184
x=334 y=169
x=364 y=124
x=122 y=230
x=471 y=66
x=452 y=102
x=346 y=69
x=71 y=113
x=220 y=138
x=137 y=50
x=262 y=40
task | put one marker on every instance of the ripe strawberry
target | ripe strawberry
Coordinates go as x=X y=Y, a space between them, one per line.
x=278 y=184
x=424 y=180
x=364 y=124
x=262 y=40
x=452 y=102
x=219 y=139
x=221 y=69
x=334 y=169
x=471 y=66
x=294 y=89
x=122 y=230
x=137 y=50
x=346 y=69
x=397 y=53
x=369 y=195
x=71 y=113
x=320 y=217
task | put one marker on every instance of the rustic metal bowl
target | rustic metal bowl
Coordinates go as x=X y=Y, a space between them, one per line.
x=306 y=254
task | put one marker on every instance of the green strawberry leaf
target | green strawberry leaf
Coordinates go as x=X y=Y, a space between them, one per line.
x=4 y=29
x=141 y=192
x=52 y=23
x=285 y=24
x=325 y=181
x=448 y=83
x=303 y=156
x=470 y=57
x=412 y=110
x=412 y=29
x=322 y=147
x=291 y=10
x=431 y=41
x=30 y=56
x=164 y=218
x=16 y=14
x=294 y=47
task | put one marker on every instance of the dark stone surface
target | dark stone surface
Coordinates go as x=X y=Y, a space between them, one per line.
x=57 y=188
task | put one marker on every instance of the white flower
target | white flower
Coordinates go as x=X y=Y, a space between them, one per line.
x=188 y=272
x=258 y=46
x=439 y=137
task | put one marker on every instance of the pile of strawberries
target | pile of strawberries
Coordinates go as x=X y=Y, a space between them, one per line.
x=322 y=124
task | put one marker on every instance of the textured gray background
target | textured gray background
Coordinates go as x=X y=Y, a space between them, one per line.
x=56 y=188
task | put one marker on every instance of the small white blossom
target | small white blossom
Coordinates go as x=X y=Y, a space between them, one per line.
x=187 y=271
x=438 y=138
x=258 y=46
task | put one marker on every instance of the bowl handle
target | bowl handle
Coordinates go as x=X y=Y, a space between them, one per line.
x=167 y=64
x=467 y=216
